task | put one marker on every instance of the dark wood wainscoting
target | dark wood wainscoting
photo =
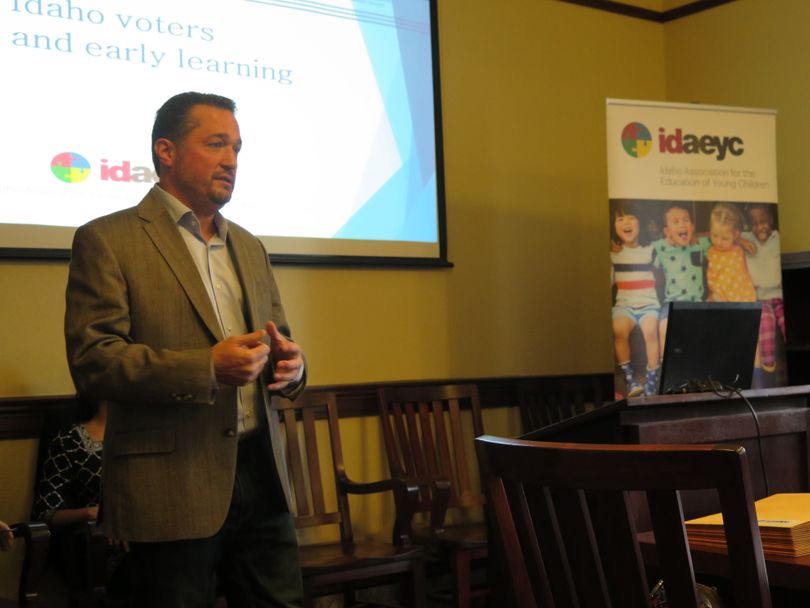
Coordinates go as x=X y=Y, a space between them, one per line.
x=30 y=417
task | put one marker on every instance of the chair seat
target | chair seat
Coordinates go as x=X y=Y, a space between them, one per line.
x=324 y=557
x=457 y=536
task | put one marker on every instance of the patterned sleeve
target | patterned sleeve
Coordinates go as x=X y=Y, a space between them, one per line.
x=52 y=486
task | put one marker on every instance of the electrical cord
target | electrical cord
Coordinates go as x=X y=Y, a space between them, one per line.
x=738 y=392
x=726 y=391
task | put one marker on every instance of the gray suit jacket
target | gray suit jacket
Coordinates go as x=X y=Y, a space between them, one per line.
x=139 y=329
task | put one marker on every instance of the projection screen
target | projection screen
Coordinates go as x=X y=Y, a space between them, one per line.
x=338 y=104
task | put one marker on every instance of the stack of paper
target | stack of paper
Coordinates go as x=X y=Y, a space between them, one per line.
x=784 y=524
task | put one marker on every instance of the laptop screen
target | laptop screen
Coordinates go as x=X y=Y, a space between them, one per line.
x=709 y=342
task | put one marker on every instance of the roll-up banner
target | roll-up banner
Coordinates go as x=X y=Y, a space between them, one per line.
x=693 y=218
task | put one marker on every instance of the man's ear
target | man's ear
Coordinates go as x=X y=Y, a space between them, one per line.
x=165 y=150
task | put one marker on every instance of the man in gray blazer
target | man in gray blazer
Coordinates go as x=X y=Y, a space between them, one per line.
x=173 y=316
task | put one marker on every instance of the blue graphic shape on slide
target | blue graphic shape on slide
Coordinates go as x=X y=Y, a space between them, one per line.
x=403 y=69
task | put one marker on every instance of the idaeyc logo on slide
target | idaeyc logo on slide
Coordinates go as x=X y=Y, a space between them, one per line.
x=637 y=142
x=72 y=168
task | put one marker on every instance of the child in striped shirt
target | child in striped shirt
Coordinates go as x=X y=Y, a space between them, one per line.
x=636 y=302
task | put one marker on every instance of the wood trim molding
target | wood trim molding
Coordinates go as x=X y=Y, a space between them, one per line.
x=798 y=260
x=24 y=417
x=28 y=417
x=628 y=10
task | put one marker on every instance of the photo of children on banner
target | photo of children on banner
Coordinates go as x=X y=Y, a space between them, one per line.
x=727 y=273
x=765 y=268
x=684 y=251
x=636 y=301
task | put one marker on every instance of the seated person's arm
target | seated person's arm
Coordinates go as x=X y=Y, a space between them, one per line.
x=6 y=536
x=65 y=517
x=54 y=501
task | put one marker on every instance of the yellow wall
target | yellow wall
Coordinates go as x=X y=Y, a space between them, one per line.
x=754 y=53
x=17 y=464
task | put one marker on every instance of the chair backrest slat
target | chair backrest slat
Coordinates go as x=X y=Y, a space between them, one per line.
x=443 y=454
x=296 y=464
x=417 y=465
x=313 y=461
x=459 y=454
x=403 y=421
x=625 y=572
x=573 y=517
x=427 y=444
x=556 y=562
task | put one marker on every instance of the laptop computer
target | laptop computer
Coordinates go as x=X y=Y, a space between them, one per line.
x=709 y=344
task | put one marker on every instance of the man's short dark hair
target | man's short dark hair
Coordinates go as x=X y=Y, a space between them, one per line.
x=173 y=121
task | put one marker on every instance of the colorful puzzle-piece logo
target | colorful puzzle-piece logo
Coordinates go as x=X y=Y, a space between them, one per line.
x=70 y=167
x=636 y=140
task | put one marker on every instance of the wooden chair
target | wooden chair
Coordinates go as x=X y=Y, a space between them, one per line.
x=343 y=566
x=84 y=556
x=76 y=570
x=564 y=531
x=544 y=401
x=36 y=537
x=427 y=443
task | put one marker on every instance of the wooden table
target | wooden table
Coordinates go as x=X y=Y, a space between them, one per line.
x=783 y=572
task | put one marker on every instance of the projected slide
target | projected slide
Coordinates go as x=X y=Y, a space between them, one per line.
x=335 y=103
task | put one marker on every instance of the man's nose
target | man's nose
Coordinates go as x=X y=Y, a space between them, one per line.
x=229 y=159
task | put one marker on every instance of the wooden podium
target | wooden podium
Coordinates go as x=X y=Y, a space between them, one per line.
x=784 y=420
